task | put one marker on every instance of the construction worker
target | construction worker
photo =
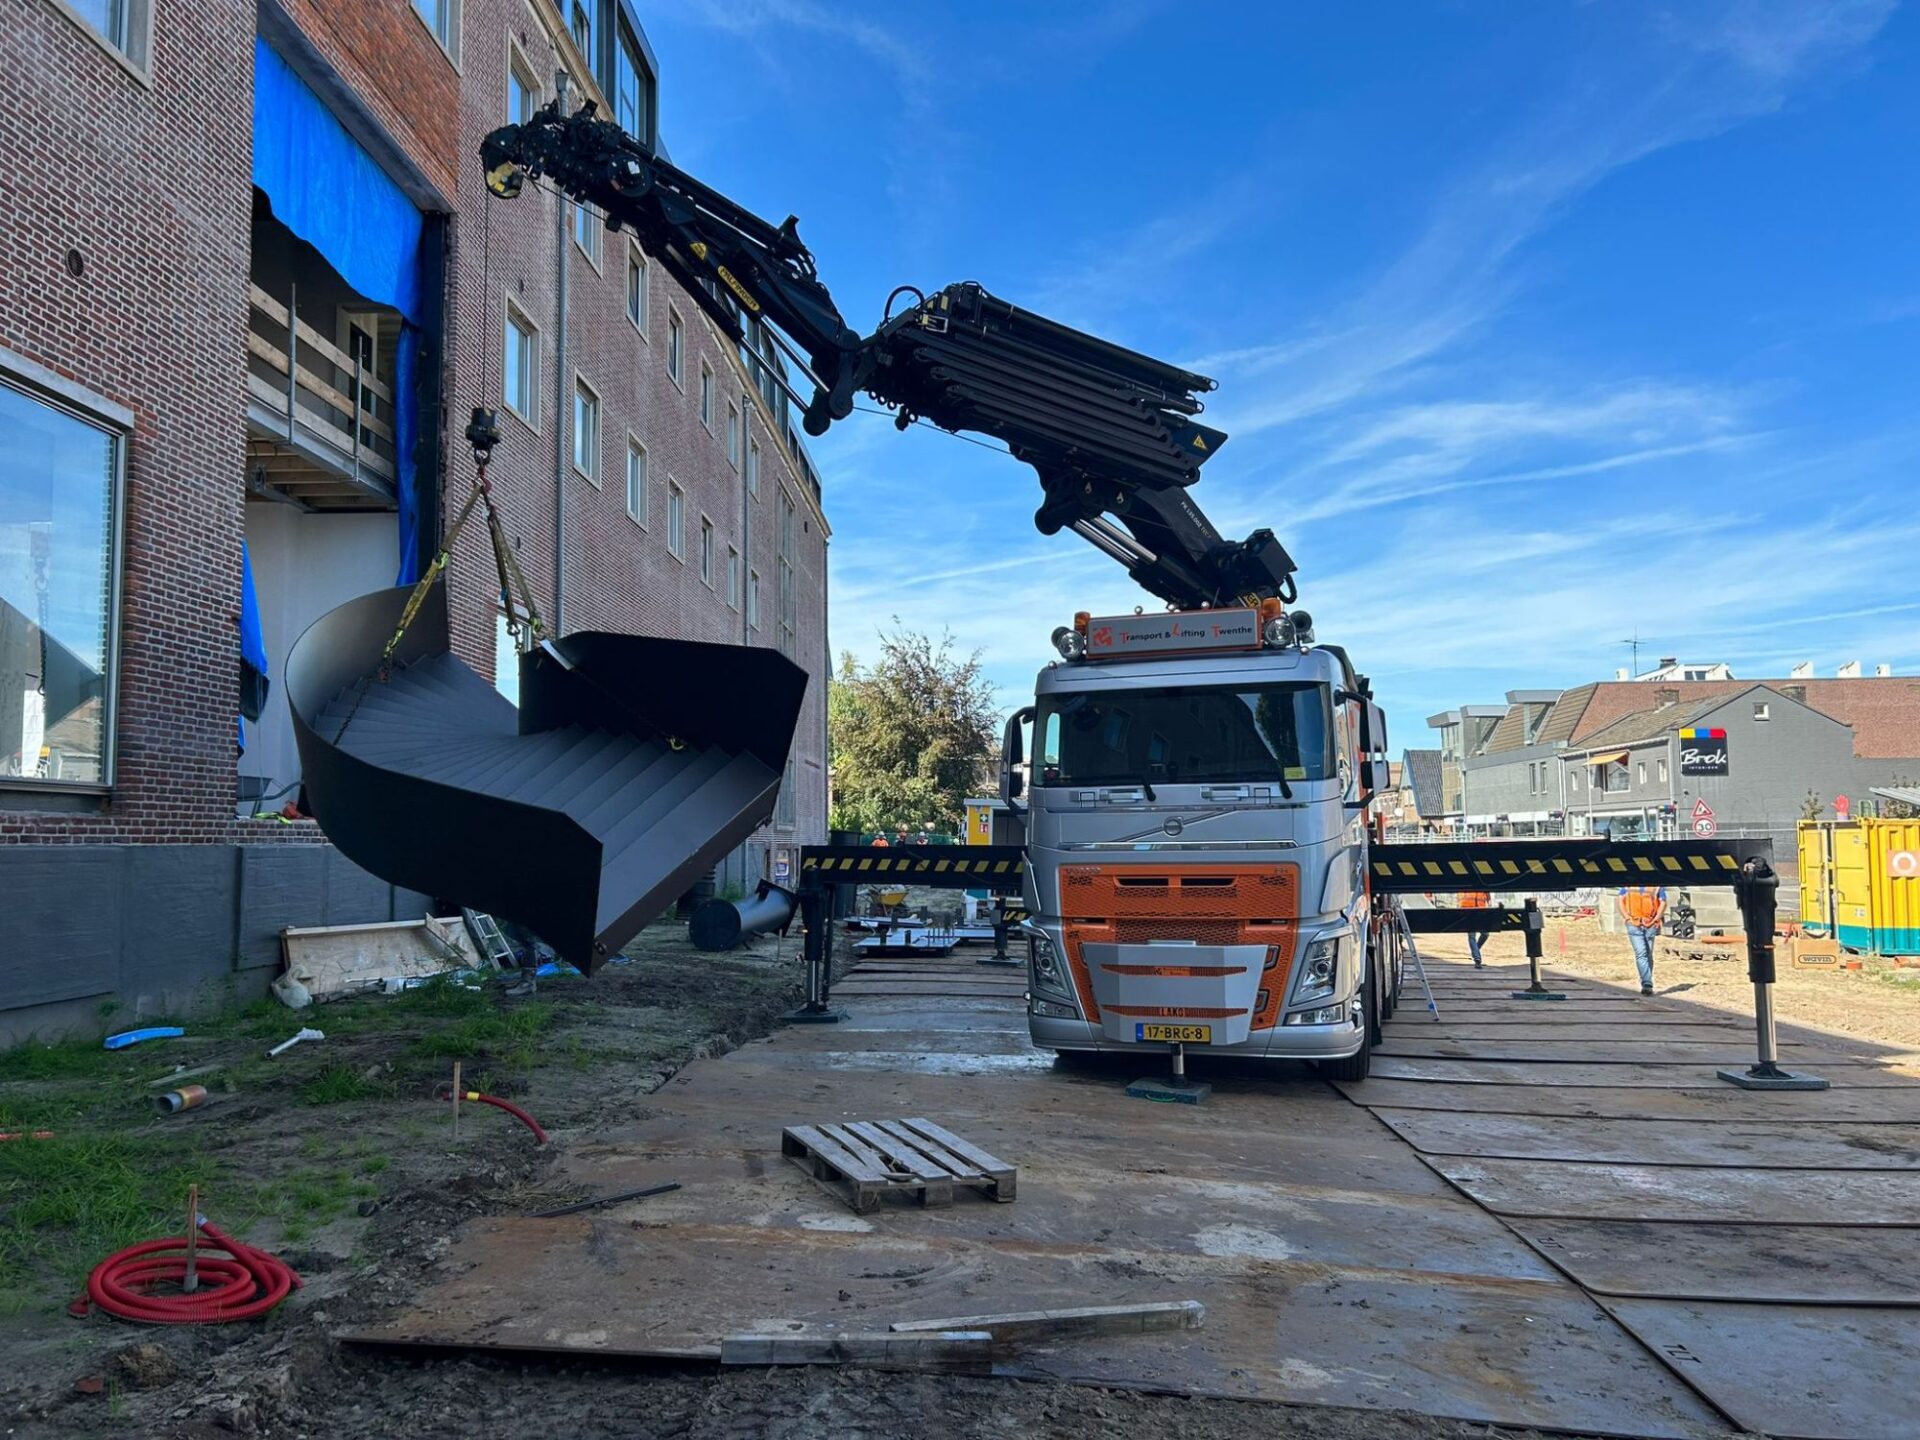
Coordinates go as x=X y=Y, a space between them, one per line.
x=1643 y=907
x=1475 y=900
x=881 y=839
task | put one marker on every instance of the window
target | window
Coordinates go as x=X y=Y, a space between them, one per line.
x=676 y=346
x=753 y=468
x=706 y=396
x=581 y=23
x=632 y=88
x=59 y=492
x=753 y=599
x=1660 y=770
x=733 y=435
x=1181 y=734
x=125 y=26
x=1573 y=780
x=637 y=288
x=789 y=599
x=586 y=431
x=520 y=367
x=783 y=807
x=706 y=552
x=676 y=521
x=733 y=578
x=1640 y=773
x=586 y=232
x=636 y=481
x=1761 y=710
x=1611 y=777
x=523 y=87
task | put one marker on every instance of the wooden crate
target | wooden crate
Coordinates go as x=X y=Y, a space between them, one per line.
x=864 y=1161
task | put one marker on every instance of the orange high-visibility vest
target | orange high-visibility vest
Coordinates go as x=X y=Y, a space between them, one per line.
x=1475 y=900
x=1641 y=906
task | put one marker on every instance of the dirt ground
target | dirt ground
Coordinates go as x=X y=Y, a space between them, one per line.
x=1879 y=1001
x=336 y=1158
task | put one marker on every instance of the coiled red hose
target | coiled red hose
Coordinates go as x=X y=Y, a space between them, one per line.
x=240 y=1284
x=445 y=1092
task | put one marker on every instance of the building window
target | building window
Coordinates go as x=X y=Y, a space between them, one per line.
x=676 y=521
x=523 y=87
x=706 y=552
x=632 y=88
x=733 y=435
x=789 y=598
x=59 y=493
x=581 y=24
x=637 y=288
x=1640 y=773
x=586 y=232
x=586 y=431
x=753 y=599
x=1660 y=770
x=126 y=26
x=636 y=481
x=520 y=367
x=753 y=468
x=706 y=396
x=783 y=807
x=733 y=578
x=1761 y=710
x=676 y=346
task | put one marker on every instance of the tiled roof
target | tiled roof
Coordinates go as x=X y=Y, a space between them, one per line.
x=1564 y=718
x=1650 y=724
x=1882 y=711
x=1422 y=767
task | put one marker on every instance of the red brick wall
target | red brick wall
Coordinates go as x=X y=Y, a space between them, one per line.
x=618 y=575
x=383 y=49
x=150 y=183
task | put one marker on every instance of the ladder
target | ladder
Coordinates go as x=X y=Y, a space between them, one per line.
x=1406 y=938
x=486 y=933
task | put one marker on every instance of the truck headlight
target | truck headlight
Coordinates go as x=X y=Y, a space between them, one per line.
x=1319 y=970
x=1045 y=963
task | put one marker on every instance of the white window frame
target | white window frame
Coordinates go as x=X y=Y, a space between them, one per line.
x=733 y=435
x=586 y=222
x=706 y=552
x=520 y=68
x=637 y=264
x=706 y=396
x=753 y=599
x=512 y=312
x=1660 y=770
x=733 y=578
x=753 y=467
x=1762 y=710
x=637 y=504
x=676 y=349
x=597 y=457
x=676 y=520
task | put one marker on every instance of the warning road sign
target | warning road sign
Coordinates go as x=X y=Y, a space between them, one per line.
x=1702 y=810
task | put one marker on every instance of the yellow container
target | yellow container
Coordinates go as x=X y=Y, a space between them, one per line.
x=1860 y=882
x=980 y=815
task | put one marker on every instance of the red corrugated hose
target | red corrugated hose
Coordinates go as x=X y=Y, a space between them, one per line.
x=236 y=1281
x=445 y=1092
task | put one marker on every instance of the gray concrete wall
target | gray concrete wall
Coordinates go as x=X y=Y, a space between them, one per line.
x=97 y=937
x=1497 y=784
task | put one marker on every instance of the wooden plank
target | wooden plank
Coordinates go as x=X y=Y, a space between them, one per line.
x=267 y=305
x=314 y=385
x=262 y=350
x=272 y=396
x=850 y=1163
x=1082 y=1320
x=933 y=1182
x=957 y=1164
x=313 y=339
x=953 y=1351
x=989 y=1165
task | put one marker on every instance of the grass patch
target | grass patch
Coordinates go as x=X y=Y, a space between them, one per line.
x=341 y=1085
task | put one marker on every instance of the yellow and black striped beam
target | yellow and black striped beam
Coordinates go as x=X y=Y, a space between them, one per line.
x=1487 y=921
x=951 y=867
x=1449 y=866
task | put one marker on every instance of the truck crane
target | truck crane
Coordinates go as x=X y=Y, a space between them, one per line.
x=1197 y=867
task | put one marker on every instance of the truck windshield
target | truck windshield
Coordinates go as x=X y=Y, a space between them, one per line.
x=1185 y=734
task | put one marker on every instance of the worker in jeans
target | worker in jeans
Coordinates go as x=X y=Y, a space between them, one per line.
x=1643 y=907
x=1475 y=900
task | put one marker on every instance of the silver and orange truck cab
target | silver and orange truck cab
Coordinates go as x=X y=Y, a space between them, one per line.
x=1196 y=836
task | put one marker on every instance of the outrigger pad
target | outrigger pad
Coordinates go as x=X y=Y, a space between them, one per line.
x=631 y=766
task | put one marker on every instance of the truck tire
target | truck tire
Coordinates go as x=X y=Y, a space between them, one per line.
x=1357 y=1065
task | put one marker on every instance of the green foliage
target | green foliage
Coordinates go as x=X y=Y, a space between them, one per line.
x=910 y=737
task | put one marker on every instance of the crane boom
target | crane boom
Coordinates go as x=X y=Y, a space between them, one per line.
x=1111 y=433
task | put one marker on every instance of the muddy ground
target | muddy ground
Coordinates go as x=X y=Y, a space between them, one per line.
x=1880 y=1001
x=336 y=1158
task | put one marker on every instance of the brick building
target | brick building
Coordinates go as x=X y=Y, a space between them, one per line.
x=250 y=287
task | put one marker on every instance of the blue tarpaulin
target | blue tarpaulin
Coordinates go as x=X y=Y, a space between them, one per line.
x=330 y=192
x=253 y=643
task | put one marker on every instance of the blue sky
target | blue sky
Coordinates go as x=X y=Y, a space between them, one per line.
x=1537 y=326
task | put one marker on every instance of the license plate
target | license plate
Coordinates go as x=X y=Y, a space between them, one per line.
x=1179 y=1034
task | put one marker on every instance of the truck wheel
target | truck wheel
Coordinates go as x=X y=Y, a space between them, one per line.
x=1357 y=1065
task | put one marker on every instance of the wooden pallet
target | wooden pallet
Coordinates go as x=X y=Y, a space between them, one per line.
x=864 y=1161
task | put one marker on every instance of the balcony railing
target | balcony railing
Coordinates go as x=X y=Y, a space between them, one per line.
x=321 y=402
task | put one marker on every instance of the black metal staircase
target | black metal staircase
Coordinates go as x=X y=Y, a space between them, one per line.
x=631 y=766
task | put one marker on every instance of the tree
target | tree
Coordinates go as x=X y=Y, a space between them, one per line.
x=911 y=736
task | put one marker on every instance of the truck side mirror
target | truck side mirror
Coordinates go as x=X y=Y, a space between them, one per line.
x=1013 y=754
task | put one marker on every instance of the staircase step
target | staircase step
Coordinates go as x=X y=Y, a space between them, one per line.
x=699 y=767
x=599 y=813
x=527 y=755
x=597 y=747
x=649 y=856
